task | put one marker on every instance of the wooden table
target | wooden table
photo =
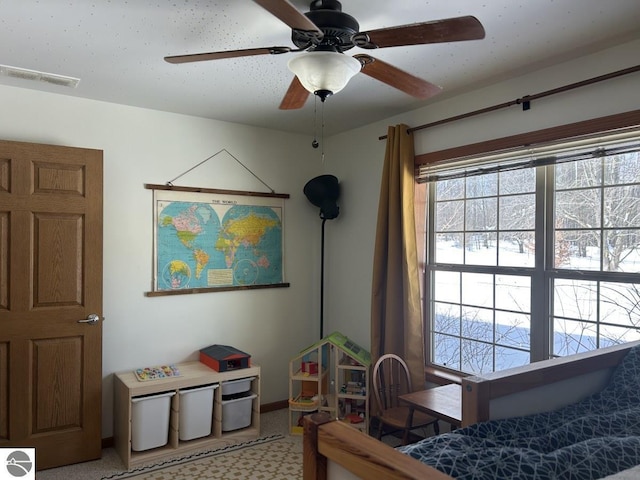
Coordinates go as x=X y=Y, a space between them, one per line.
x=443 y=403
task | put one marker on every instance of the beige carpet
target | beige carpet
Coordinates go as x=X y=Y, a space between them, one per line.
x=272 y=424
x=279 y=458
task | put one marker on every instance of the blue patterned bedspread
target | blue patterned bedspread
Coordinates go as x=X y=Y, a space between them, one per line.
x=590 y=439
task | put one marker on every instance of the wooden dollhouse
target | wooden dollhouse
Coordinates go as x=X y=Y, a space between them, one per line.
x=332 y=375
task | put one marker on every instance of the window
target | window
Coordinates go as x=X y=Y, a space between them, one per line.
x=532 y=255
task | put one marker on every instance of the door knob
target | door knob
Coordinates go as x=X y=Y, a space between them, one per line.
x=91 y=319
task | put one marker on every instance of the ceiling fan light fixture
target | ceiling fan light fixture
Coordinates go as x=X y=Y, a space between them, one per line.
x=324 y=71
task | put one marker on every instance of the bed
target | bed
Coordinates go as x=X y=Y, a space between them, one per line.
x=518 y=419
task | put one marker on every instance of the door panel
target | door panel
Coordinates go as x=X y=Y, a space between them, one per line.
x=59 y=178
x=51 y=272
x=58 y=256
x=4 y=391
x=58 y=384
x=4 y=260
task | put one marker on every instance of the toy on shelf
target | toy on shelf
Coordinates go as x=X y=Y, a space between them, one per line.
x=223 y=358
x=154 y=373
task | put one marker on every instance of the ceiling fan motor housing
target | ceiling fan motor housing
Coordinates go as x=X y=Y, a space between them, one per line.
x=338 y=27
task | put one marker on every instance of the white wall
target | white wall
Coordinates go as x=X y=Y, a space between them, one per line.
x=356 y=158
x=143 y=146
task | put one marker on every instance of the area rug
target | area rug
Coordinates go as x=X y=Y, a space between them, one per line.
x=267 y=458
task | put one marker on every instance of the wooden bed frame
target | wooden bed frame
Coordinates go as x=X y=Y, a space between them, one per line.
x=336 y=451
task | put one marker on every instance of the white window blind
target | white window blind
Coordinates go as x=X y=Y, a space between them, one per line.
x=612 y=143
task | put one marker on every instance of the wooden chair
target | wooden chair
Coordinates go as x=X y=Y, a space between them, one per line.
x=390 y=379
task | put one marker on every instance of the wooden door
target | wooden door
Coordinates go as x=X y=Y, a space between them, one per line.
x=50 y=278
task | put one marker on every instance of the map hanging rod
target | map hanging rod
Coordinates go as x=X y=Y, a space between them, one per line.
x=170 y=182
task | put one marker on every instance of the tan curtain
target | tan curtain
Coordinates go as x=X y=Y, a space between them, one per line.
x=396 y=317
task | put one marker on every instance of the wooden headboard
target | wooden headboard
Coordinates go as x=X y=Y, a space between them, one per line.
x=540 y=386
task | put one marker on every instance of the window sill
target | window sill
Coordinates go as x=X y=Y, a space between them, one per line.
x=440 y=376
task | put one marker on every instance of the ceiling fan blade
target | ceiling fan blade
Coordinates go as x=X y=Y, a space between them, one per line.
x=247 y=52
x=295 y=97
x=438 y=31
x=393 y=76
x=290 y=15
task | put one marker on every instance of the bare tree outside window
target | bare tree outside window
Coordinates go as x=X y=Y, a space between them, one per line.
x=484 y=274
x=597 y=218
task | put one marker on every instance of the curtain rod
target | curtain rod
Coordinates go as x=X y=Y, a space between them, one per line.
x=525 y=101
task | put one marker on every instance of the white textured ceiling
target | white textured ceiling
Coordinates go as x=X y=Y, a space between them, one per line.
x=116 y=48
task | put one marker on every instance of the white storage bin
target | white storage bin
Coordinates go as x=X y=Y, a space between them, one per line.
x=150 y=420
x=236 y=386
x=196 y=410
x=236 y=413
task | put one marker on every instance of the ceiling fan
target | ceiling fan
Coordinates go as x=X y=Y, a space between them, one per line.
x=325 y=33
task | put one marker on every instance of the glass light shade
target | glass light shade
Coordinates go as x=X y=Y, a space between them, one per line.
x=324 y=70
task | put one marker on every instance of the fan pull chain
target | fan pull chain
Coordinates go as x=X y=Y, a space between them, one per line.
x=322 y=130
x=314 y=144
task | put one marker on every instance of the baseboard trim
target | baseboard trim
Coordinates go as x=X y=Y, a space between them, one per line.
x=271 y=407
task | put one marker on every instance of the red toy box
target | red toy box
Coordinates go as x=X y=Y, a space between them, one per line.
x=223 y=358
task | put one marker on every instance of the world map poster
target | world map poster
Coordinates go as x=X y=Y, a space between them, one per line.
x=213 y=240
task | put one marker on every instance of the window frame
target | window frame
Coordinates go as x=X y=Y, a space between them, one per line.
x=541 y=275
